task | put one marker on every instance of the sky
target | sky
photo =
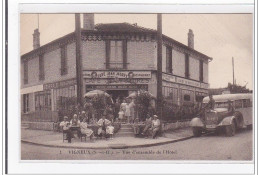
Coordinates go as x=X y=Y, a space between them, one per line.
x=220 y=36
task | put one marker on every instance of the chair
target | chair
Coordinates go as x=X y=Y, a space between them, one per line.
x=64 y=136
x=82 y=135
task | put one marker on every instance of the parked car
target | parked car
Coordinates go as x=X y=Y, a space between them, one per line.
x=231 y=112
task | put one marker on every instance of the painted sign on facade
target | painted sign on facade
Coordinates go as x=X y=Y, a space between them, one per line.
x=59 y=84
x=187 y=82
x=169 y=78
x=116 y=74
x=117 y=87
x=117 y=81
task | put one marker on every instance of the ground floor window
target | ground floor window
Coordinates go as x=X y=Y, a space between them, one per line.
x=43 y=100
x=170 y=94
x=64 y=98
x=187 y=95
x=26 y=103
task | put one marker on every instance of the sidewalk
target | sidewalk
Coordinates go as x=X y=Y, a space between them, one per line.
x=54 y=139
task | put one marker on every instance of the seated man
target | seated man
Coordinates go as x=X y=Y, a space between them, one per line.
x=148 y=125
x=103 y=123
x=65 y=124
x=155 y=126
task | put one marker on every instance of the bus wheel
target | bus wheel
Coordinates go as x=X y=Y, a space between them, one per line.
x=197 y=131
x=231 y=129
x=249 y=127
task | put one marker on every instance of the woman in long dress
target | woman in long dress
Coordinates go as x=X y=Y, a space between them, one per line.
x=85 y=130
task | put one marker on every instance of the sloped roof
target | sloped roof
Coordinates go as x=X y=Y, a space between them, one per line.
x=122 y=27
x=114 y=28
x=134 y=28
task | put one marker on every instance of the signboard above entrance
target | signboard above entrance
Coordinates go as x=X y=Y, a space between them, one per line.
x=116 y=74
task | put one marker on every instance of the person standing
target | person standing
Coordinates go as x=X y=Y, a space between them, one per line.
x=132 y=111
x=211 y=103
x=117 y=108
x=127 y=112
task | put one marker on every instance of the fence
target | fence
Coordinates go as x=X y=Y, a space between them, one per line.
x=40 y=116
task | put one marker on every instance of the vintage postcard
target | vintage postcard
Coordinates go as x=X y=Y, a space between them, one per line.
x=136 y=86
x=102 y=87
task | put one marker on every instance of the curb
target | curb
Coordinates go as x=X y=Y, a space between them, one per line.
x=109 y=147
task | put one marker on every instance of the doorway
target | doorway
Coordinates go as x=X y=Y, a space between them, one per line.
x=121 y=94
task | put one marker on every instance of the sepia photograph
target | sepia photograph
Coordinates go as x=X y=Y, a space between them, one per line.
x=136 y=86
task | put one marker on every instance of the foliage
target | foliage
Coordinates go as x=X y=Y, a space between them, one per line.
x=142 y=101
x=66 y=107
x=99 y=104
x=234 y=89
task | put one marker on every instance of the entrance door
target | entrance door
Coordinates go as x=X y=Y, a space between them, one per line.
x=121 y=94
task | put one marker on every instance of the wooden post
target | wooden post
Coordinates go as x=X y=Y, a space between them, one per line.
x=159 y=65
x=78 y=60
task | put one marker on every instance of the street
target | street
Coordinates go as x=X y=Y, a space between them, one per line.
x=208 y=147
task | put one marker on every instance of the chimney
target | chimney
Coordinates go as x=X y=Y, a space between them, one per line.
x=36 y=39
x=191 y=39
x=88 y=21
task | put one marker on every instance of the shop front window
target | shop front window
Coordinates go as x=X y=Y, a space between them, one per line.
x=170 y=94
x=64 y=98
x=43 y=101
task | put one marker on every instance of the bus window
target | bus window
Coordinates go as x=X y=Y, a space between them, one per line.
x=238 y=104
x=222 y=105
x=247 y=103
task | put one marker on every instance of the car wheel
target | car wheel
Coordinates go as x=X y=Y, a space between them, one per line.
x=249 y=127
x=231 y=129
x=197 y=131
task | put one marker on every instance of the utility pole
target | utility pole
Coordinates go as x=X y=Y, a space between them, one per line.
x=233 y=71
x=159 y=65
x=78 y=60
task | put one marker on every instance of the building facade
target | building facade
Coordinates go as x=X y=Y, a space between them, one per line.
x=118 y=58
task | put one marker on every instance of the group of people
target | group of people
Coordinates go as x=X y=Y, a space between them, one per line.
x=80 y=123
x=125 y=111
x=151 y=124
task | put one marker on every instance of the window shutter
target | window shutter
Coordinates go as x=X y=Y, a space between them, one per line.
x=201 y=70
x=63 y=60
x=125 y=54
x=187 y=71
x=41 y=67
x=107 y=53
x=25 y=72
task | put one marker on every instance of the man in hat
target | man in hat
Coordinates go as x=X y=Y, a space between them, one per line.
x=65 y=124
x=211 y=103
x=155 y=126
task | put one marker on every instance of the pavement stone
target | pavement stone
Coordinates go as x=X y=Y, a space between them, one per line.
x=54 y=139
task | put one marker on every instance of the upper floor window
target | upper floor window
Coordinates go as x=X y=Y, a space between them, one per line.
x=168 y=59
x=187 y=68
x=201 y=70
x=25 y=72
x=41 y=68
x=116 y=54
x=64 y=68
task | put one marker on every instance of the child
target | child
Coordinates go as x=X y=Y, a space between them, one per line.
x=110 y=131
